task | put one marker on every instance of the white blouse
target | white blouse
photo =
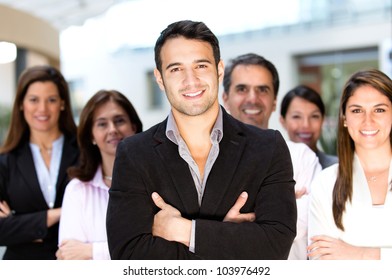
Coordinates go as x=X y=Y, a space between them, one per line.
x=305 y=166
x=83 y=214
x=365 y=225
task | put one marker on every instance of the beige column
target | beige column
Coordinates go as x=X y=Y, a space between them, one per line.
x=38 y=37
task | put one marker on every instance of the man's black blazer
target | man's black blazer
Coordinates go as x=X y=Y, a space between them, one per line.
x=19 y=186
x=250 y=159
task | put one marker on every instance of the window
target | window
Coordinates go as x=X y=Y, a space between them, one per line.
x=327 y=73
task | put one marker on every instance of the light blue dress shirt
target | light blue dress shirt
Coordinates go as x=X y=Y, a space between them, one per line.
x=47 y=178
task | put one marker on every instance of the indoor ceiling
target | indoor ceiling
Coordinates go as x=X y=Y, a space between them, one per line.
x=62 y=14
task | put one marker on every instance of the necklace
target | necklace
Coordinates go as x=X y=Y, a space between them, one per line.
x=372 y=179
x=47 y=150
x=107 y=177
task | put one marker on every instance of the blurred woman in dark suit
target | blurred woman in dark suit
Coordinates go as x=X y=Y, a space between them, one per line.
x=39 y=148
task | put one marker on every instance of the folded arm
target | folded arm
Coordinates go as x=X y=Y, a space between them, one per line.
x=170 y=225
x=71 y=249
x=132 y=213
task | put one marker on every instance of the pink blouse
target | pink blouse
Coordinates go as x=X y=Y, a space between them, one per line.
x=83 y=214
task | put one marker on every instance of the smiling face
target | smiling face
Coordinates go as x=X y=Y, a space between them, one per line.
x=111 y=124
x=42 y=106
x=303 y=122
x=251 y=97
x=369 y=118
x=189 y=76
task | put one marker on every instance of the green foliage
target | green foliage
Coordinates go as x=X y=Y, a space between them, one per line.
x=5 y=118
x=328 y=141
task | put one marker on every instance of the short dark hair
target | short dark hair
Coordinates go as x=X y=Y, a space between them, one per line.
x=190 y=30
x=250 y=59
x=304 y=92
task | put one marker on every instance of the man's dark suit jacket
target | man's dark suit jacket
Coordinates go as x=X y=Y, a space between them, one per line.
x=250 y=159
x=19 y=186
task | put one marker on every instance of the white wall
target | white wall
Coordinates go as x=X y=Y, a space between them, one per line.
x=125 y=72
x=7 y=89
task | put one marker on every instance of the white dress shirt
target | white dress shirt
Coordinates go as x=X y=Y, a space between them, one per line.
x=83 y=214
x=365 y=225
x=305 y=166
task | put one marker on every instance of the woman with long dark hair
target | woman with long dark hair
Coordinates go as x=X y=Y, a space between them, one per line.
x=107 y=118
x=38 y=149
x=351 y=203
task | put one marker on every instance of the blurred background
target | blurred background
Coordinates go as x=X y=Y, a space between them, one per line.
x=108 y=44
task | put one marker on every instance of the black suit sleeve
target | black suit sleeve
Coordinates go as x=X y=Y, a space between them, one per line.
x=269 y=183
x=19 y=186
x=131 y=213
x=20 y=228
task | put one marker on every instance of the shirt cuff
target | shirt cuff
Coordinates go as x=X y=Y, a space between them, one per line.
x=192 y=240
x=386 y=254
x=101 y=251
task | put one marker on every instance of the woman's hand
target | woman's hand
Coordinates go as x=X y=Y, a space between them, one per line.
x=74 y=250
x=299 y=193
x=327 y=248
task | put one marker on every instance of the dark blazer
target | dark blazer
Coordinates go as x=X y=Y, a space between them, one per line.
x=19 y=186
x=325 y=159
x=250 y=159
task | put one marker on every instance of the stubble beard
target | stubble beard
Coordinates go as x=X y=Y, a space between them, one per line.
x=196 y=109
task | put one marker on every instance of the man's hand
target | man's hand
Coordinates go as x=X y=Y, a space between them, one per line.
x=169 y=224
x=5 y=210
x=74 y=250
x=53 y=216
x=234 y=215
